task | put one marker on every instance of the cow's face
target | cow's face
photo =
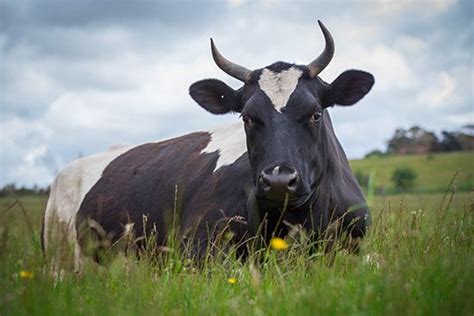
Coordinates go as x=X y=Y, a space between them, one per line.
x=283 y=110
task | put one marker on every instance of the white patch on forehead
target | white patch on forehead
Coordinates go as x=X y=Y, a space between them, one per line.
x=279 y=86
x=229 y=141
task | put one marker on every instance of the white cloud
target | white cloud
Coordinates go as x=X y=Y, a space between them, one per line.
x=397 y=7
x=237 y=3
x=35 y=154
x=31 y=175
x=392 y=70
x=24 y=153
x=411 y=45
x=439 y=93
x=461 y=119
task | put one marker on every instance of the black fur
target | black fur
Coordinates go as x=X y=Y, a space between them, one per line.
x=172 y=182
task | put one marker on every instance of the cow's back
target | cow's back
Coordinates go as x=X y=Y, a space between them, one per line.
x=189 y=178
x=159 y=186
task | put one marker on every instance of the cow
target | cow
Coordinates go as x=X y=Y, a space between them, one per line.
x=279 y=166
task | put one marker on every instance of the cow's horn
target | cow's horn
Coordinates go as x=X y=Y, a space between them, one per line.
x=317 y=65
x=234 y=70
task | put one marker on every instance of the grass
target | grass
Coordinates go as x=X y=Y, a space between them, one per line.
x=433 y=170
x=417 y=260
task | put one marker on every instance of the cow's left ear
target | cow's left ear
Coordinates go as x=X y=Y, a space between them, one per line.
x=348 y=88
x=215 y=96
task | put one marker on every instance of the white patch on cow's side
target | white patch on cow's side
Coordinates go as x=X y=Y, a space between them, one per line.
x=67 y=193
x=279 y=86
x=229 y=141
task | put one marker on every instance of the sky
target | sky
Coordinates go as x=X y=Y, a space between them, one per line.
x=77 y=77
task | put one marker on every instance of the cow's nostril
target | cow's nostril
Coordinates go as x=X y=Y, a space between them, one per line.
x=264 y=182
x=292 y=183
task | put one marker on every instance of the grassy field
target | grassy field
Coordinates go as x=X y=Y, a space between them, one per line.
x=434 y=171
x=417 y=260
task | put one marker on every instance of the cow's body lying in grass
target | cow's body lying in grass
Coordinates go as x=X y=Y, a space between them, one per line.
x=283 y=165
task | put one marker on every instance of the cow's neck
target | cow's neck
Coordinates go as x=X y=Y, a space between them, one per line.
x=332 y=171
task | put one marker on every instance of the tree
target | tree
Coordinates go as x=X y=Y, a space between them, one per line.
x=466 y=141
x=403 y=178
x=374 y=153
x=415 y=140
x=449 y=141
x=398 y=141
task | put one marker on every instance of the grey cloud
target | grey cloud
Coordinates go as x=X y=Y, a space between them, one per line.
x=66 y=14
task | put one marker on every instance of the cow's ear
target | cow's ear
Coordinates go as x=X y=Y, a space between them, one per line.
x=348 y=88
x=215 y=96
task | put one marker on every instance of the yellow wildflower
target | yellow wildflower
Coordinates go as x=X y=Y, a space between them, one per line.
x=231 y=280
x=278 y=243
x=26 y=274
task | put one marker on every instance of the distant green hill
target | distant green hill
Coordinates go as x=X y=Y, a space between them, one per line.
x=434 y=171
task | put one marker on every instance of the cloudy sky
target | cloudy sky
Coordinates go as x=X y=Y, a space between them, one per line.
x=80 y=76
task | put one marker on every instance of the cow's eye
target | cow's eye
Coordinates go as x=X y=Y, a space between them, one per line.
x=316 y=116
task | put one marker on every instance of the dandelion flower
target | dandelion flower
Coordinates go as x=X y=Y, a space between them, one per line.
x=278 y=243
x=231 y=280
x=26 y=274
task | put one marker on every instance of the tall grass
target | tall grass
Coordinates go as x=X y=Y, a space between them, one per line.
x=418 y=259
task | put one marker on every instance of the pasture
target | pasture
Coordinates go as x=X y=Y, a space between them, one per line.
x=417 y=260
x=433 y=170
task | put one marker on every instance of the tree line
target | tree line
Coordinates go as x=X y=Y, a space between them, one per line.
x=10 y=189
x=417 y=140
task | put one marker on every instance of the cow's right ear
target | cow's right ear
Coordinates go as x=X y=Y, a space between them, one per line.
x=215 y=96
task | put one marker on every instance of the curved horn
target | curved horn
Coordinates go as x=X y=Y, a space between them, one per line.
x=234 y=70
x=317 y=65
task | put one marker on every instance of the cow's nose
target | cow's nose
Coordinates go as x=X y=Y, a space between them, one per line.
x=278 y=181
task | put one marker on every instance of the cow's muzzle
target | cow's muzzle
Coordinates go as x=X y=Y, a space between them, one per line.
x=280 y=182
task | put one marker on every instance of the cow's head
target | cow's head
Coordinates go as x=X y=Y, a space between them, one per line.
x=283 y=107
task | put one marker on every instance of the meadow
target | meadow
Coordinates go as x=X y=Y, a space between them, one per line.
x=433 y=170
x=417 y=259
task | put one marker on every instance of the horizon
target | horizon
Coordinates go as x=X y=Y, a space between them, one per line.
x=78 y=78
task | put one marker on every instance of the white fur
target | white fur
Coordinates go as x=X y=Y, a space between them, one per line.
x=279 y=86
x=229 y=141
x=67 y=193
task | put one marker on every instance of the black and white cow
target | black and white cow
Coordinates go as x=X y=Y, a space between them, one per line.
x=281 y=164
